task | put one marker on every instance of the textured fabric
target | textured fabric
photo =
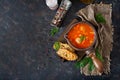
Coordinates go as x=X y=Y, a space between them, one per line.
x=105 y=33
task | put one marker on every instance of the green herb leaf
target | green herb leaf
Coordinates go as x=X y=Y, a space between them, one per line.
x=77 y=64
x=56 y=45
x=91 y=65
x=99 y=18
x=82 y=38
x=54 y=30
x=82 y=63
x=98 y=55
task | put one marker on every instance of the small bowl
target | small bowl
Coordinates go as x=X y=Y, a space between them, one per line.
x=80 y=49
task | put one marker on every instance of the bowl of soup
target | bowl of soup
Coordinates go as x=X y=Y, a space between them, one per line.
x=81 y=36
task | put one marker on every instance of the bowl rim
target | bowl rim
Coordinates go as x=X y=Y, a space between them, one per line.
x=80 y=49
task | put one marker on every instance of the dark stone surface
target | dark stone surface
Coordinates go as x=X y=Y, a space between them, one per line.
x=26 y=47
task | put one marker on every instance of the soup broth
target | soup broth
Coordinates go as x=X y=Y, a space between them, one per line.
x=81 y=35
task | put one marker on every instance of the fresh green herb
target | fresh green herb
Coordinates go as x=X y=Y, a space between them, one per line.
x=56 y=45
x=98 y=55
x=82 y=38
x=82 y=63
x=54 y=30
x=91 y=65
x=99 y=18
x=88 y=60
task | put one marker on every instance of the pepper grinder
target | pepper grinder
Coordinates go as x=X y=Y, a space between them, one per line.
x=61 y=12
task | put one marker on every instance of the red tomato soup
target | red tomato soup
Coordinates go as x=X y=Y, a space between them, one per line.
x=82 y=35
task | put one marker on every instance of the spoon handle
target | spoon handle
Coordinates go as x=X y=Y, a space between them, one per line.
x=98 y=64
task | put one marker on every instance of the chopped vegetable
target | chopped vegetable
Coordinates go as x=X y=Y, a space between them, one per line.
x=56 y=46
x=54 y=31
x=99 y=18
x=98 y=55
x=82 y=38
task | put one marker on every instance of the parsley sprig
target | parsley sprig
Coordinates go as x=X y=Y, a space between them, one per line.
x=56 y=46
x=82 y=38
x=54 y=30
x=99 y=18
x=88 y=60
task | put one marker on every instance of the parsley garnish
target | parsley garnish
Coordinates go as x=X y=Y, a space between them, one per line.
x=82 y=38
x=87 y=60
x=99 y=18
x=56 y=46
x=91 y=65
x=98 y=55
x=54 y=30
x=82 y=63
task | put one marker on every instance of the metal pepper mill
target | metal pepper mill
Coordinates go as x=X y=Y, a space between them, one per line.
x=61 y=12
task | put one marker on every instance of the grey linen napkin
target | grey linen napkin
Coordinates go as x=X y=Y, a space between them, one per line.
x=105 y=33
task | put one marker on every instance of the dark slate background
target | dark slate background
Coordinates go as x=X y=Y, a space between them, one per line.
x=26 y=47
